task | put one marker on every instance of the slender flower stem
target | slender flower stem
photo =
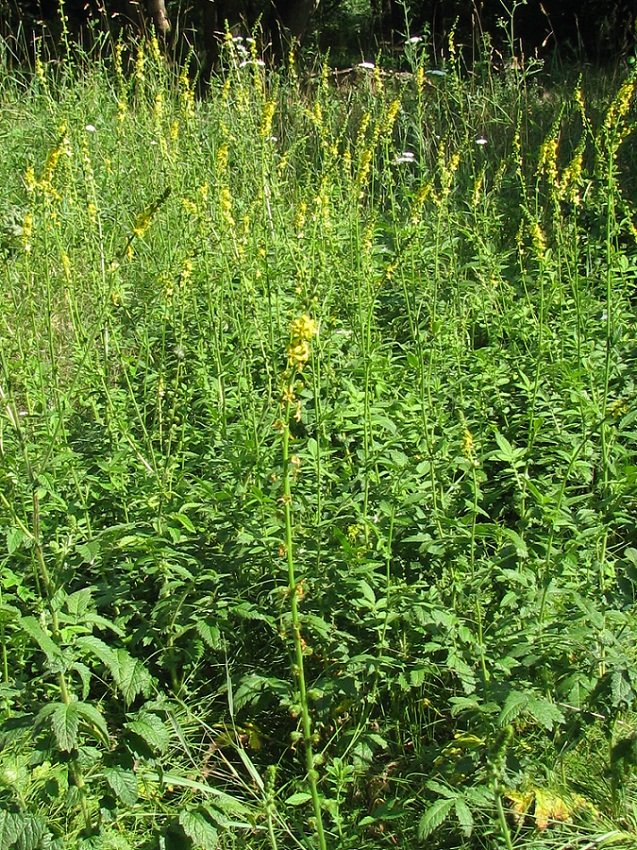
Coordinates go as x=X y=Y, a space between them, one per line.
x=299 y=670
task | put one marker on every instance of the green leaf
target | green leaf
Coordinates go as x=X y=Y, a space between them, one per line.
x=33 y=628
x=10 y=826
x=209 y=634
x=545 y=712
x=200 y=831
x=299 y=799
x=32 y=830
x=79 y=602
x=465 y=818
x=95 y=720
x=515 y=702
x=99 y=649
x=15 y=536
x=434 y=817
x=88 y=552
x=123 y=783
x=65 y=722
x=130 y=675
x=151 y=729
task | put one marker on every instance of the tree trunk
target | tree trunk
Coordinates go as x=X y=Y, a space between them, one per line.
x=157 y=11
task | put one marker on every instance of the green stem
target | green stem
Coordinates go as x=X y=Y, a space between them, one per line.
x=299 y=670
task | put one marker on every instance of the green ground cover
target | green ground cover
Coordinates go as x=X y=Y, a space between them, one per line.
x=318 y=459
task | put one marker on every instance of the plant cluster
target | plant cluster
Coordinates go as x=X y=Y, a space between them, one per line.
x=318 y=473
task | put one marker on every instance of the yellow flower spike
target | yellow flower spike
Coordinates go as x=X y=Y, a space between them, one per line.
x=303 y=328
x=225 y=204
x=538 y=239
x=140 y=62
x=155 y=52
x=27 y=230
x=468 y=445
x=221 y=159
x=392 y=114
x=29 y=179
x=266 y=119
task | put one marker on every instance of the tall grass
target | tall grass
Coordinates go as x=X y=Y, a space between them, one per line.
x=317 y=456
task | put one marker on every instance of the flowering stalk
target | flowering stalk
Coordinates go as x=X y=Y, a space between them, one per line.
x=298 y=353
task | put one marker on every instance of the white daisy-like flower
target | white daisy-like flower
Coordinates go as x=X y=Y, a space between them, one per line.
x=481 y=141
x=414 y=39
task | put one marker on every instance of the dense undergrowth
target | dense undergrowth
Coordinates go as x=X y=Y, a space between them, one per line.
x=318 y=471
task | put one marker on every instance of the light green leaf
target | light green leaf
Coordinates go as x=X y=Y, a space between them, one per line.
x=65 y=722
x=94 y=719
x=434 y=817
x=200 y=831
x=79 y=602
x=465 y=818
x=130 y=675
x=151 y=729
x=33 y=628
x=209 y=634
x=32 y=830
x=99 y=649
x=15 y=536
x=123 y=783
x=515 y=702
x=10 y=826
x=299 y=799
x=545 y=712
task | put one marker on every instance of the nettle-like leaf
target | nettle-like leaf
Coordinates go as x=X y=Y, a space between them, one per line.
x=465 y=818
x=10 y=826
x=94 y=721
x=65 y=722
x=123 y=784
x=48 y=646
x=542 y=710
x=20 y=831
x=151 y=729
x=129 y=674
x=435 y=815
x=199 y=830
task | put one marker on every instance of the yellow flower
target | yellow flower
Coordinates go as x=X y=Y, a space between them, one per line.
x=304 y=328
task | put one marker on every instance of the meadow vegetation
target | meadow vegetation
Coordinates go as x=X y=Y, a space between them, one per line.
x=318 y=455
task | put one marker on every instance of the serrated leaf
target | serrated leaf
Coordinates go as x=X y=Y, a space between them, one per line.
x=65 y=722
x=465 y=818
x=99 y=649
x=32 y=830
x=200 y=831
x=95 y=721
x=123 y=783
x=33 y=628
x=15 y=536
x=515 y=702
x=88 y=552
x=78 y=603
x=621 y=690
x=130 y=675
x=85 y=675
x=152 y=730
x=434 y=817
x=209 y=634
x=10 y=825
x=299 y=799
x=545 y=712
